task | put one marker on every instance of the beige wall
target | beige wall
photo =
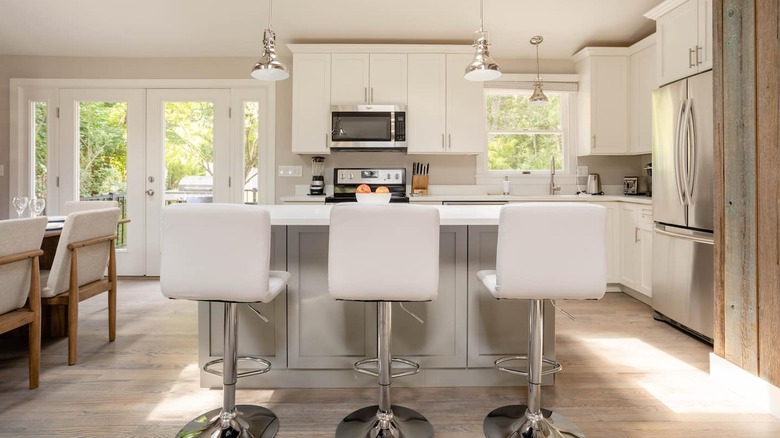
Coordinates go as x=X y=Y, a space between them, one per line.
x=444 y=169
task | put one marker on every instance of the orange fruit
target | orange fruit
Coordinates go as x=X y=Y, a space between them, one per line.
x=363 y=188
x=382 y=189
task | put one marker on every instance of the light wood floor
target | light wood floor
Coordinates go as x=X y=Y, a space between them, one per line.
x=625 y=375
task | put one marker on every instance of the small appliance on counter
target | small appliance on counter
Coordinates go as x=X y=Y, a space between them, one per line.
x=635 y=185
x=346 y=181
x=649 y=170
x=593 y=186
x=317 y=186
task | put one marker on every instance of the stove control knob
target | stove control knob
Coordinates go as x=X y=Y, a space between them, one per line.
x=397 y=176
x=351 y=176
x=388 y=176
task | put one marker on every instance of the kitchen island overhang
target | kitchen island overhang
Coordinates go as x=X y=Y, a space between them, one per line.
x=313 y=341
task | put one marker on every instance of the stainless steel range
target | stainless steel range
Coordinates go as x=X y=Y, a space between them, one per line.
x=346 y=181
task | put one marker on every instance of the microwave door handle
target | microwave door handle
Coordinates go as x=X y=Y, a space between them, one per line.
x=678 y=138
x=691 y=124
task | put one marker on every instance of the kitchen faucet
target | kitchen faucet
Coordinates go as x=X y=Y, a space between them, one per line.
x=553 y=187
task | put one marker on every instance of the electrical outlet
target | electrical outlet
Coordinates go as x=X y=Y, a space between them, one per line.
x=290 y=171
x=582 y=170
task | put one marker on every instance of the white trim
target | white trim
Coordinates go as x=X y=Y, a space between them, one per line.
x=642 y=44
x=664 y=8
x=530 y=77
x=755 y=390
x=138 y=83
x=600 y=51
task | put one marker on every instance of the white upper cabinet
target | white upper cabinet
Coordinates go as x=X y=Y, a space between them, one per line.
x=446 y=113
x=602 y=101
x=362 y=78
x=684 y=45
x=311 y=103
x=642 y=82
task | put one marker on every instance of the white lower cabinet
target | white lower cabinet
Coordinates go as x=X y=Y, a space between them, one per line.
x=613 y=241
x=636 y=247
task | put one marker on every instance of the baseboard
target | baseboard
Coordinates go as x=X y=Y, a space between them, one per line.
x=758 y=391
x=636 y=295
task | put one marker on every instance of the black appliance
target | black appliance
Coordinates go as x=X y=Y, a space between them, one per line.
x=347 y=180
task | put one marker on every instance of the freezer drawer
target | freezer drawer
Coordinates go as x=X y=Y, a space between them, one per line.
x=683 y=277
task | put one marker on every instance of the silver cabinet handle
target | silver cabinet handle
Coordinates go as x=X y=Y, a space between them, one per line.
x=443 y=147
x=593 y=142
x=371 y=96
x=698 y=49
x=636 y=234
x=150 y=192
x=449 y=141
x=690 y=58
x=326 y=140
x=365 y=94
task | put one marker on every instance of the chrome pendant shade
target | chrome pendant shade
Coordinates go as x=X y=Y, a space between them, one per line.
x=482 y=68
x=269 y=68
x=538 y=97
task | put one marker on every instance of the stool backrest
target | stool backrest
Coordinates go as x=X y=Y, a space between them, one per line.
x=552 y=250
x=215 y=252
x=383 y=252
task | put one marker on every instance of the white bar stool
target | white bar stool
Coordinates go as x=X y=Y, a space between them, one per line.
x=221 y=252
x=384 y=253
x=545 y=251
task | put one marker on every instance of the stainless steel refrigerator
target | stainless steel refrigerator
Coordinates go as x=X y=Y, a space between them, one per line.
x=682 y=204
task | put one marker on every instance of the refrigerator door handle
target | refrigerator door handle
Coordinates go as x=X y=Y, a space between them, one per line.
x=693 y=238
x=691 y=177
x=678 y=139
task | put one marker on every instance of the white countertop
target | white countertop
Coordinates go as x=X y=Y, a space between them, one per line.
x=501 y=198
x=320 y=214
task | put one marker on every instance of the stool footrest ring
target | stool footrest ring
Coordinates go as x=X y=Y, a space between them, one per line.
x=266 y=366
x=415 y=367
x=556 y=366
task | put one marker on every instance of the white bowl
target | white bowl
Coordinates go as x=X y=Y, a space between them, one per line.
x=373 y=198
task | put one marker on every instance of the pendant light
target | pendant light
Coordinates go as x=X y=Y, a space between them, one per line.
x=269 y=68
x=538 y=97
x=482 y=68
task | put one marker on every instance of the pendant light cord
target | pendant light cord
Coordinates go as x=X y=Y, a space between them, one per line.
x=270 y=11
x=537 y=62
x=481 y=17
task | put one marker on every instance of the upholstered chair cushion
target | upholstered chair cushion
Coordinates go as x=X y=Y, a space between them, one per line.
x=80 y=226
x=18 y=236
x=383 y=252
x=550 y=250
x=73 y=206
x=218 y=252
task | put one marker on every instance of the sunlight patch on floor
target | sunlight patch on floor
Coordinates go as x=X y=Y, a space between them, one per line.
x=683 y=388
x=186 y=399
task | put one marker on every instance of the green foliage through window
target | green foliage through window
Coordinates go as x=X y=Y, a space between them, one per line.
x=102 y=148
x=522 y=136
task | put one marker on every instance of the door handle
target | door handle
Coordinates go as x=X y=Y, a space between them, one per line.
x=690 y=58
x=691 y=177
x=371 y=96
x=150 y=192
x=449 y=141
x=696 y=239
x=365 y=94
x=698 y=49
x=676 y=153
x=443 y=146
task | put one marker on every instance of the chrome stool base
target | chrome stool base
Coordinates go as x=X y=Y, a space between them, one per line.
x=248 y=421
x=514 y=421
x=366 y=423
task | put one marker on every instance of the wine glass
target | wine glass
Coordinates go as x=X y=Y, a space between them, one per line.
x=36 y=206
x=20 y=204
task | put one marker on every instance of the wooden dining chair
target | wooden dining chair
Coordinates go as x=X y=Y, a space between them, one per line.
x=85 y=249
x=20 y=247
x=73 y=206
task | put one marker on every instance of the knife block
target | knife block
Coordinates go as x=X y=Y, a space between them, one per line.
x=419 y=185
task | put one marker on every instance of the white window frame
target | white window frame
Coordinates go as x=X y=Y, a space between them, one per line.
x=513 y=83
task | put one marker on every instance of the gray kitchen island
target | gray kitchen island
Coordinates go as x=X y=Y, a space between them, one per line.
x=313 y=341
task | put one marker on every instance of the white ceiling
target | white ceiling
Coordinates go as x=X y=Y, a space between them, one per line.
x=233 y=28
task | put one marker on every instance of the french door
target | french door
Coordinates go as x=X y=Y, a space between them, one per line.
x=145 y=148
x=101 y=157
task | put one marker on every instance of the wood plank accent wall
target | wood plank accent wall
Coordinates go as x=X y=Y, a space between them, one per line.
x=746 y=54
x=768 y=175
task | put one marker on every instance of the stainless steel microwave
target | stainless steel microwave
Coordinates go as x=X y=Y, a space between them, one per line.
x=368 y=128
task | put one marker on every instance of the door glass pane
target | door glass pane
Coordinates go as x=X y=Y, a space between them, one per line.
x=251 y=151
x=103 y=156
x=41 y=147
x=189 y=151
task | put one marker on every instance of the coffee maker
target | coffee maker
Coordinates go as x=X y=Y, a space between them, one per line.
x=317 y=186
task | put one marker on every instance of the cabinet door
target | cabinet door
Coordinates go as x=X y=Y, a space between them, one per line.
x=643 y=82
x=388 y=75
x=311 y=103
x=613 y=241
x=704 y=55
x=466 y=115
x=629 y=245
x=349 y=78
x=645 y=276
x=426 y=108
x=677 y=39
x=609 y=105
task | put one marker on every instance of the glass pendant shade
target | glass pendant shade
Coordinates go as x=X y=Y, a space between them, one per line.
x=482 y=67
x=269 y=68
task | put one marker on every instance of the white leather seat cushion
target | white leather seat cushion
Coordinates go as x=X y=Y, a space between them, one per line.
x=383 y=252
x=550 y=250
x=218 y=252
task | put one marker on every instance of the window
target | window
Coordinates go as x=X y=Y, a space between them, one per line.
x=524 y=137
